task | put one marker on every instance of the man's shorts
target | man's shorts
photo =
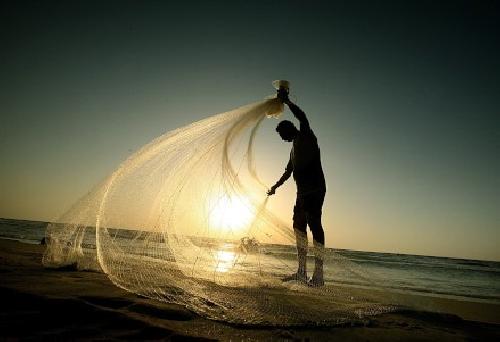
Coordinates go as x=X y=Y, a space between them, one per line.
x=307 y=208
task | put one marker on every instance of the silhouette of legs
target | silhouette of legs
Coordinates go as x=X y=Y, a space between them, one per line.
x=307 y=211
x=312 y=205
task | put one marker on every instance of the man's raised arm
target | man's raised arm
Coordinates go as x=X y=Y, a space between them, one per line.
x=299 y=114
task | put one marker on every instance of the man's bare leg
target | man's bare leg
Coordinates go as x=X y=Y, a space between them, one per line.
x=319 y=256
x=301 y=240
x=301 y=274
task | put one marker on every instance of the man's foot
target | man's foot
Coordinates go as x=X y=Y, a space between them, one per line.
x=316 y=281
x=300 y=277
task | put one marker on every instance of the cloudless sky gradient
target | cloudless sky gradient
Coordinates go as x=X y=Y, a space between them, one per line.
x=402 y=95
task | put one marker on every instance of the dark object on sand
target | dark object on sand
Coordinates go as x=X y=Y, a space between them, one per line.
x=69 y=267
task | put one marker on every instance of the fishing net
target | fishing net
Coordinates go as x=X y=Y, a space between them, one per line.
x=184 y=220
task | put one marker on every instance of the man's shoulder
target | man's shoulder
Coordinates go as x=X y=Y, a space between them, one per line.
x=307 y=133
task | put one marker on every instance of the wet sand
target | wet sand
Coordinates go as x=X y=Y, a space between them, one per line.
x=47 y=304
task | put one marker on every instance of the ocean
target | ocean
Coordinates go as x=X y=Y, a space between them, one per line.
x=461 y=279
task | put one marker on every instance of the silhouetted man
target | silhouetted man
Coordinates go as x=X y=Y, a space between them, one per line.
x=305 y=164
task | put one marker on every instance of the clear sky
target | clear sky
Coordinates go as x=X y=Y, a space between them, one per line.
x=402 y=95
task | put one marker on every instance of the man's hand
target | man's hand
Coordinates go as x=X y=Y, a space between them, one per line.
x=283 y=95
x=271 y=191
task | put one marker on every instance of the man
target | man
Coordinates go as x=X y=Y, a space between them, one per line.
x=305 y=164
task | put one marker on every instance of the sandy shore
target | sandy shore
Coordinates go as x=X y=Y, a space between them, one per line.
x=39 y=303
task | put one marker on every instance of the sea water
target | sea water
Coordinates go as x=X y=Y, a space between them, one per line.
x=462 y=279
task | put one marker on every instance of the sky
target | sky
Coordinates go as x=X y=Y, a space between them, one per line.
x=402 y=95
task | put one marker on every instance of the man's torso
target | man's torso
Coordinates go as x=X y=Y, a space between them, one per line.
x=306 y=160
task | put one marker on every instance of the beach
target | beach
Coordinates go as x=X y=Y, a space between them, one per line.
x=65 y=304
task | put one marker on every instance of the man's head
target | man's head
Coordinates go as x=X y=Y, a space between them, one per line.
x=287 y=130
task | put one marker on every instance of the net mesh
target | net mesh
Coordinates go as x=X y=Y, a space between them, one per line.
x=184 y=220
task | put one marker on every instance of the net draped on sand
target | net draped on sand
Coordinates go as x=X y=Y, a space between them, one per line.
x=184 y=220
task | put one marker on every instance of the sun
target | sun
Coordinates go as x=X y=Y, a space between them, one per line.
x=230 y=213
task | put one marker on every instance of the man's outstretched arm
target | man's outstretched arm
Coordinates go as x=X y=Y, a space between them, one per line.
x=299 y=114
x=286 y=175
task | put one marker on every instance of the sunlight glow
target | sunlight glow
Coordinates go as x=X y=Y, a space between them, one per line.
x=231 y=213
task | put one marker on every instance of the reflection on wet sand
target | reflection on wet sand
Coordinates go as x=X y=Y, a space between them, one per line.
x=225 y=261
